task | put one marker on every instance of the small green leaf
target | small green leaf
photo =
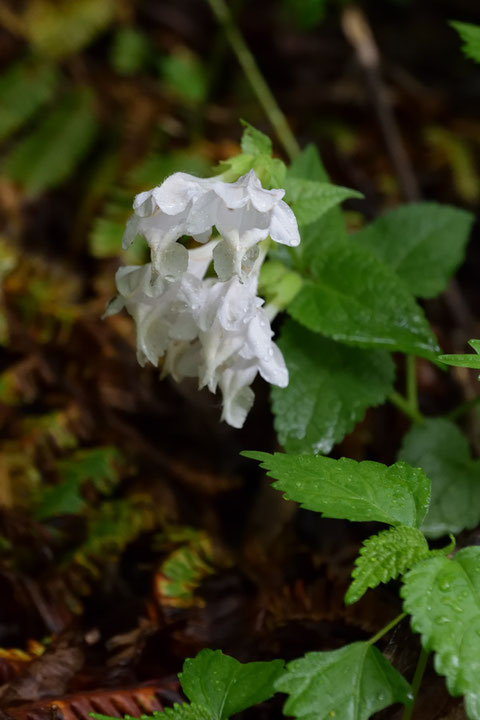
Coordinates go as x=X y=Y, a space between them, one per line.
x=384 y=557
x=423 y=242
x=350 y=490
x=310 y=199
x=100 y=465
x=278 y=284
x=255 y=142
x=24 y=88
x=330 y=387
x=62 y=499
x=185 y=75
x=49 y=155
x=355 y=298
x=470 y=35
x=443 y=597
x=185 y=711
x=439 y=447
x=130 y=51
x=224 y=686
x=468 y=360
x=352 y=683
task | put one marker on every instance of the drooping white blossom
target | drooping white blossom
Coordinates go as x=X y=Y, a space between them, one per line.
x=161 y=215
x=244 y=213
x=211 y=328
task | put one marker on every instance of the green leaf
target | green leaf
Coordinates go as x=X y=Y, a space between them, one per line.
x=443 y=597
x=224 y=686
x=185 y=75
x=330 y=387
x=384 y=557
x=184 y=569
x=352 y=683
x=62 y=499
x=355 y=298
x=130 y=51
x=58 y=28
x=468 y=360
x=423 y=242
x=277 y=284
x=24 y=88
x=310 y=199
x=439 y=447
x=185 y=711
x=350 y=490
x=50 y=154
x=331 y=226
x=470 y=35
x=255 y=142
x=100 y=465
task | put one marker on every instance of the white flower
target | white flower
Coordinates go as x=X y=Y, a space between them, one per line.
x=236 y=340
x=244 y=214
x=161 y=215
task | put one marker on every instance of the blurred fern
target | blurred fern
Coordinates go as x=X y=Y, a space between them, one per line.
x=50 y=153
x=24 y=88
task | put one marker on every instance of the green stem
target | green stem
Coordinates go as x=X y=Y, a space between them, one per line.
x=255 y=78
x=402 y=404
x=375 y=638
x=416 y=682
x=412 y=395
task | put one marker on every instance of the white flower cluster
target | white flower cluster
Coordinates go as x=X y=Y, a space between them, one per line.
x=213 y=328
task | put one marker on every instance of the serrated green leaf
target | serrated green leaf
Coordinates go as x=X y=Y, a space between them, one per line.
x=255 y=142
x=49 y=155
x=330 y=387
x=62 y=499
x=439 y=447
x=100 y=465
x=470 y=35
x=468 y=360
x=350 y=490
x=352 y=683
x=331 y=226
x=185 y=711
x=355 y=298
x=423 y=242
x=443 y=597
x=232 y=686
x=384 y=557
x=184 y=569
x=310 y=199
x=24 y=88
x=57 y=28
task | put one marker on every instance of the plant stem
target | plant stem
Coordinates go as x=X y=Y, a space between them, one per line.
x=402 y=404
x=250 y=68
x=375 y=638
x=416 y=682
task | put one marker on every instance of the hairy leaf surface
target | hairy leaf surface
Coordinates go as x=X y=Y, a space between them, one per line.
x=350 y=490
x=443 y=597
x=330 y=387
x=352 y=683
x=384 y=557
x=355 y=298
x=423 y=242
x=225 y=686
